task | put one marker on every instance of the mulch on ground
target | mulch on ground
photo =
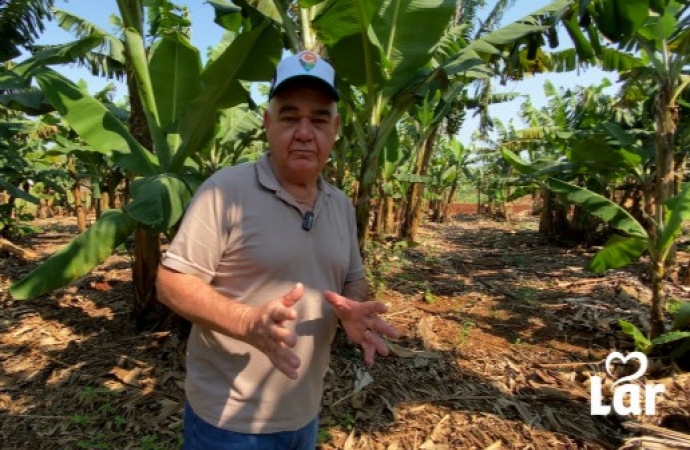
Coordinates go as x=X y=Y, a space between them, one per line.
x=501 y=334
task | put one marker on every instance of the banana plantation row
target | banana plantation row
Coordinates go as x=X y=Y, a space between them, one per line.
x=599 y=166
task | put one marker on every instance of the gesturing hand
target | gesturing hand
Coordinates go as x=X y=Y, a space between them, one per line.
x=362 y=324
x=265 y=329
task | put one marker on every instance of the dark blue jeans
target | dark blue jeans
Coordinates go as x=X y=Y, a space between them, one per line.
x=200 y=435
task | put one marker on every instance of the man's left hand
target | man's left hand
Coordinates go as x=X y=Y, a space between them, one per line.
x=362 y=324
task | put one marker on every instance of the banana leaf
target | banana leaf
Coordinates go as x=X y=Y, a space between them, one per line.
x=619 y=251
x=32 y=102
x=682 y=317
x=600 y=207
x=159 y=202
x=679 y=211
x=252 y=56
x=516 y=162
x=641 y=342
x=671 y=336
x=175 y=65
x=97 y=126
x=138 y=60
x=14 y=191
x=77 y=258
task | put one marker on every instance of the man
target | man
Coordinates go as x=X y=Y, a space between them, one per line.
x=264 y=264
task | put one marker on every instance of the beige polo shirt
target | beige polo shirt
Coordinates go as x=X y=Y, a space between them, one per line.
x=243 y=235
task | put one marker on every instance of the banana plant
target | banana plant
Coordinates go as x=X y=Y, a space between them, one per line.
x=20 y=24
x=23 y=160
x=679 y=333
x=391 y=69
x=583 y=133
x=633 y=240
x=446 y=170
x=239 y=139
x=653 y=44
x=182 y=101
x=384 y=65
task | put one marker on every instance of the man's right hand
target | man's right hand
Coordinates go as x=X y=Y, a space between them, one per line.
x=265 y=329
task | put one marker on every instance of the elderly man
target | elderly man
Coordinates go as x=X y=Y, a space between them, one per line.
x=265 y=263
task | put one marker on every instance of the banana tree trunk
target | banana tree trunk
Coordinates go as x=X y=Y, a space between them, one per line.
x=447 y=207
x=379 y=220
x=389 y=213
x=658 y=300
x=79 y=209
x=546 y=222
x=415 y=194
x=149 y=314
x=666 y=120
x=479 y=200
x=363 y=210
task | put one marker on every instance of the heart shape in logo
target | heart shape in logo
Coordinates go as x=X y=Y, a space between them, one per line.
x=641 y=357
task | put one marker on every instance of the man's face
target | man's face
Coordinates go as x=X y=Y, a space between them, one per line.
x=301 y=125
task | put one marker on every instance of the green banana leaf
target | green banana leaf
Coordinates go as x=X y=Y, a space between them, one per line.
x=339 y=19
x=619 y=251
x=97 y=126
x=583 y=46
x=659 y=6
x=516 y=162
x=671 y=336
x=594 y=152
x=600 y=207
x=64 y=53
x=679 y=211
x=376 y=45
x=239 y=124
x=391 y=156
x=175 y=65
x=682 y=316
x=138 y=59
x=159 y=201
x=641 y=342
x=621 y=136
x=631 y=15
x=618 y=19
x=396 y=26
x=32 y=102
x=227 y=15
x=252 y=56
x=77 y=258
x=14 y=191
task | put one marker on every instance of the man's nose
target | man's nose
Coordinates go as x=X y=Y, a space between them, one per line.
x=305 y=130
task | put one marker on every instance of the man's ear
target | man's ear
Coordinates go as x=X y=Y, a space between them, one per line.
x=336 y=124
x=267 y=118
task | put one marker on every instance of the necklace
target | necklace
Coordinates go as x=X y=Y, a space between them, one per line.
x=305 y=203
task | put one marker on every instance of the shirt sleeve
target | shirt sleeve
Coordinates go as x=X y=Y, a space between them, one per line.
x=198 y=246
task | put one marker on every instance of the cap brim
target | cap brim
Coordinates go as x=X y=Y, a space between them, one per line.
x=305 y=81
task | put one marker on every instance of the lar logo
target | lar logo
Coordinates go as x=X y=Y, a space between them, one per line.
x=624 y=388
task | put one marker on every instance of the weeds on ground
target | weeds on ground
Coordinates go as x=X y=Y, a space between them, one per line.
x=381 y=258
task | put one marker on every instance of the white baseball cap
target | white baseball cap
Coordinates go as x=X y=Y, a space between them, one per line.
x=306 y=67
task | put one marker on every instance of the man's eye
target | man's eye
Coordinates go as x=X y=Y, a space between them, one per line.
x=289 y=119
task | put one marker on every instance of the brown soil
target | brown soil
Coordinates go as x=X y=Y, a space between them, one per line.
x=501 y=333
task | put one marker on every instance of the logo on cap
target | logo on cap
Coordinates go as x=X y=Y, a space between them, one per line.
x=307 y=60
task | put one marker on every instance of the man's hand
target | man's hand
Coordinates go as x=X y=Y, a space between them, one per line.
x=362 y=324
x=265 y=329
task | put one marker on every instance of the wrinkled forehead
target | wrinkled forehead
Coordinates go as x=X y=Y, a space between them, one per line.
x=304 y=82
x=303 y=99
